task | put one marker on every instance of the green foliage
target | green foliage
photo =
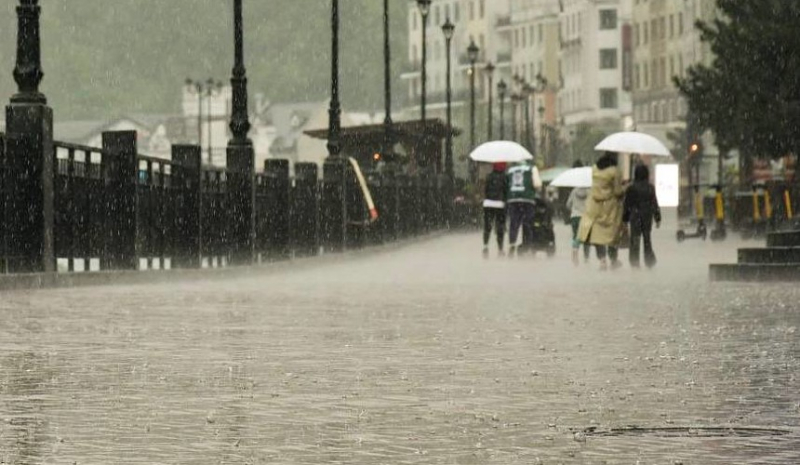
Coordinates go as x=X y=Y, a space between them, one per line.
x=750 y=96
x=103 y=58
x=586 y=137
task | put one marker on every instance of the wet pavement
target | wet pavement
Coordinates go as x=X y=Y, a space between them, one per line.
x=422 y=354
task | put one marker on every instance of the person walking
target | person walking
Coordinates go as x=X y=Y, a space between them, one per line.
x=494 y=207
x=576 y=203
x=640 y=210
x=601 y=223
x=523 y=181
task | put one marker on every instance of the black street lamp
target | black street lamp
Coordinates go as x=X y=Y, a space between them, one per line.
x=490 y=74
x=208 y=88
x=501 y=93
x=387 y=82
x=334 y=111
x=239 y=125
x=515 y=99
x=527 y=92
x=448 y=29
x=472 y=54
x=424 y=8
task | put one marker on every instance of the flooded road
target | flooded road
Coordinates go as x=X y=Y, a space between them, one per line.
x=424 y=354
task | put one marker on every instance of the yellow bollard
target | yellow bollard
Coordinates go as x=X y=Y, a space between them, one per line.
x=787 y=200
x=698 y=200
x=720 y=207
x=756 y=207
x=767 y=204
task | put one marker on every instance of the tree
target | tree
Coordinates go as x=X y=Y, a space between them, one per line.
x=585 y=138
x=750 y=96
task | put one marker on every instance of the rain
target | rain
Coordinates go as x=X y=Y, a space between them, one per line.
x=277 y=247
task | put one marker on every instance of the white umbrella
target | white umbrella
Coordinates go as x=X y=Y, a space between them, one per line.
x=633 y=142
x=500 y=151
x=574 y=177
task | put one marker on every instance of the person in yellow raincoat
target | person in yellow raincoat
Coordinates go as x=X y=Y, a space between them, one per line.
x=601 y=223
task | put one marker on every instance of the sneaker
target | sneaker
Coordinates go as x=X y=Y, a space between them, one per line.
x=575 y=260
x=512 y=250
x=616 y=264
x=486 y=252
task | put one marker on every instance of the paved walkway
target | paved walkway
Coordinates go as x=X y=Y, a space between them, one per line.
x=423 y=354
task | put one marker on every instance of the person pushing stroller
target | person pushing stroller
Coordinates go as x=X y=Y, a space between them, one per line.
x=523 y=181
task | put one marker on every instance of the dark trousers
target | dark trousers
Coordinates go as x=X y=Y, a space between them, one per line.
x=496 y=217
x=604 y=251
x=641 y=231
x=521 y=214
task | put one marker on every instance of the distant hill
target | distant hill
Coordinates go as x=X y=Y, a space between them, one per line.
x=102 y=58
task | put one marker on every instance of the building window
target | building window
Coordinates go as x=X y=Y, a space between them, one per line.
x=413 y=21
x=516 y=38
x=530 y=35
x=608 y=97
x=524 y=37
x=645 y=37
x=636 y=82
x=645 y=75
x=541 y=34
x=654 y=30
x=472 y=11
x=636 y=35
x=663 y=74
x=680 y=24
x=608 y=58
x=662 y=26
x=482 y=8
x=671 y=26
x=608 y=19
x=457 y=8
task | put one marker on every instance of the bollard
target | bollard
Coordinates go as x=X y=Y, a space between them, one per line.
x=188 y=218
x=305 y=209
x=787 y=201
x=277 y=208
x=767 y=204
x=756 y=206
x=719 y=206
x=121 y=247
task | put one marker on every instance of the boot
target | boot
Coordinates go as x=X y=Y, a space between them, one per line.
x=575 y=260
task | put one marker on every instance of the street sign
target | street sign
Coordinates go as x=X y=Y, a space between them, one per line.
x=667 y=185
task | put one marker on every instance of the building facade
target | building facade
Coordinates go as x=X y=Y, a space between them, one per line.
x=595 y=88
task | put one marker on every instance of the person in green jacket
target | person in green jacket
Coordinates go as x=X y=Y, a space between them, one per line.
x=523 y=182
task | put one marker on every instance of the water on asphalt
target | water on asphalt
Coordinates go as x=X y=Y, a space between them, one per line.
x=425 y=353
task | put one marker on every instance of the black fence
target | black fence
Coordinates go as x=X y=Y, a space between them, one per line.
x=116 y=209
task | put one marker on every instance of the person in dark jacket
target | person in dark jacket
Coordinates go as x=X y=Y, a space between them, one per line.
x=494 y=207
x=640 y=210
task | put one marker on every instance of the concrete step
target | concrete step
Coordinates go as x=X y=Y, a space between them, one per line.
x=767 y=255
x=755 y=272
x=784 y=239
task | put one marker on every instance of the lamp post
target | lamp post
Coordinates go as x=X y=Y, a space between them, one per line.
x=490 y=75
x=543 y=136
x=448 y=29
x=501 y=93
x=527 y=92
x=387 y=82
x=472 y=54
x=515 y=98
x=240 y=153
x=424 y=8
x=334 y=111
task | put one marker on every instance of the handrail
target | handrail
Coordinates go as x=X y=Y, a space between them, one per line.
x=78 y=147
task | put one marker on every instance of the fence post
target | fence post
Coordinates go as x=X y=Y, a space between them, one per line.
x=333 y=209
x=276 y=178
x=3 y=225
x=305 y=209
x=120 y=171
x=188 y=244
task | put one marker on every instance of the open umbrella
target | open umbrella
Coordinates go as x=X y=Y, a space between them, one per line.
x=550 y=174
x=633 y=142
x=500 y=151
x=574 y=177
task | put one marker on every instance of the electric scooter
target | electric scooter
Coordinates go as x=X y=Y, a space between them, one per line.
x=702 y=231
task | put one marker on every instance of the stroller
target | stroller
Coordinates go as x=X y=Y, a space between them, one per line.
x=544 y=238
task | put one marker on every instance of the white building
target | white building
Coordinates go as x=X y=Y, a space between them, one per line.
x=595 y=59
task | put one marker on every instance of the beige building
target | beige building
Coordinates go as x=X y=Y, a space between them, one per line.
x=665 y=45
x=532 y=32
